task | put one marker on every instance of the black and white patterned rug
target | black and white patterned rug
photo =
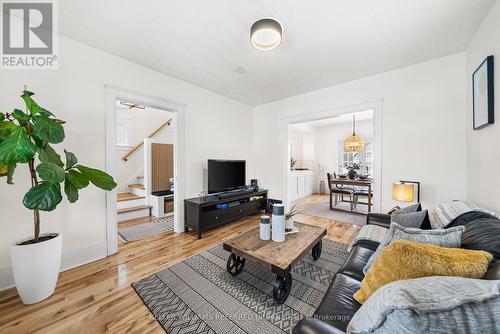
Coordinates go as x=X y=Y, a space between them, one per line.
x=199 y=296
x=141 y=231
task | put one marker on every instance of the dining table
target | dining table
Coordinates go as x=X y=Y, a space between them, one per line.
x=367 y=183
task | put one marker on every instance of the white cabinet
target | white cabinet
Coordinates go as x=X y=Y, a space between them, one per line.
x=300 y=184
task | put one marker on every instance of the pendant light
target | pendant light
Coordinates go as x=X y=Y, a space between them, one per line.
x=354 y=143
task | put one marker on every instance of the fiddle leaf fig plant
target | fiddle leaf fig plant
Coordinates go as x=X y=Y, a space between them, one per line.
x=26 y=138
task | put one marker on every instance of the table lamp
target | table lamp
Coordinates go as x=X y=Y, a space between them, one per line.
x=404 y=191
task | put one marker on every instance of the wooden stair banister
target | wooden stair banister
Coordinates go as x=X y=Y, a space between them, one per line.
x=139 y=144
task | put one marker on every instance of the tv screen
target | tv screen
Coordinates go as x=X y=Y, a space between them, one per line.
x=225 y=175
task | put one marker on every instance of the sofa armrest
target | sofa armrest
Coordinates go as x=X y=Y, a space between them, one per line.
x=315 y=326
x=380 y=219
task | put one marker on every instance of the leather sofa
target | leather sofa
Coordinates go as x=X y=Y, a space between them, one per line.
x=338 y=306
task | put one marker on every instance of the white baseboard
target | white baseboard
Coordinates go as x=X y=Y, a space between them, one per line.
x=70 y=259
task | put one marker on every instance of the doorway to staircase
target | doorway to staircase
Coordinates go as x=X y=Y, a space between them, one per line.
x=145 y=170
x=145 y=156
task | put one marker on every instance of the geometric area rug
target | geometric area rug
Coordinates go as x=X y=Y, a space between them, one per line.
x=197 y=295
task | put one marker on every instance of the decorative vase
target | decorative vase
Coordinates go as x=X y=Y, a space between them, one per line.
x=36 y=268
x=322 y=188
x=289 y=224
x=278 y=222
x=352 y=174
x=265 y=228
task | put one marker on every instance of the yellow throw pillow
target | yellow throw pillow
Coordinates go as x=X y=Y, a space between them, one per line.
x=404 y=259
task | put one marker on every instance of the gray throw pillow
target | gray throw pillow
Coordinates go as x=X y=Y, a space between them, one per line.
x=414 y=219
x=409 y=209
x=435 y=304
x=450 y=237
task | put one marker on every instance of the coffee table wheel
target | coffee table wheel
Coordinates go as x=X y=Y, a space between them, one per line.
x=316 y=251
x=282 y=287
x=235 y=264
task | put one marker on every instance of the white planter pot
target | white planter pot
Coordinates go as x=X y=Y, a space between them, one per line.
x=36 y=268
x=289 y=224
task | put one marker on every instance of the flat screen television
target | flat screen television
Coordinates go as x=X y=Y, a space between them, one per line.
x=226 y=175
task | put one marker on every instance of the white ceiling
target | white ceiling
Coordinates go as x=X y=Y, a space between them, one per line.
x=307 y=127
x=326 y=42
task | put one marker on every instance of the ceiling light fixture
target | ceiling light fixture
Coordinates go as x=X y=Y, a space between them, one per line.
x=354 y=143
x=131 y=105
x=266 y=34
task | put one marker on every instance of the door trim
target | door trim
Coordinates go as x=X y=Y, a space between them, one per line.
x=376 y=106
x=111 y=95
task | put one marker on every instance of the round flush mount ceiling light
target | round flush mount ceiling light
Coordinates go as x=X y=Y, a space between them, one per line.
x=266 y=34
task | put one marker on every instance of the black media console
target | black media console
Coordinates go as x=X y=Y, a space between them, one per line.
x=203 y=213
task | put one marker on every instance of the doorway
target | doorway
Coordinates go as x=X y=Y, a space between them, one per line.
x=313 y=150
x=145 y=154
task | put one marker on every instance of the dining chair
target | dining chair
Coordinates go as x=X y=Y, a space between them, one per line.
x=337 y=190
x=360 y=192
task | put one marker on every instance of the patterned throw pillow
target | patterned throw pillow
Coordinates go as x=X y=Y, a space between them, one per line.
x=404 y=259
x=451 y=237
x=441 y=304
x=414 y=219
x=410 y=208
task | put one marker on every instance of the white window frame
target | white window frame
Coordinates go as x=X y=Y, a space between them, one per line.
x=362 y=161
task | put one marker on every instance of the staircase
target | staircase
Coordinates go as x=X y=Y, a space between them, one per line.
x=132 y=204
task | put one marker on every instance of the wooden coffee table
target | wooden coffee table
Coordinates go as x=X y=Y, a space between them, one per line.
x=279 y=257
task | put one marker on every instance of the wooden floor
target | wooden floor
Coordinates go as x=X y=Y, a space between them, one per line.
x=120 y=197
x=98 y=298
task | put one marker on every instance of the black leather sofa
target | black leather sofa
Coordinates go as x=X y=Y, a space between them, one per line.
x=338 y=306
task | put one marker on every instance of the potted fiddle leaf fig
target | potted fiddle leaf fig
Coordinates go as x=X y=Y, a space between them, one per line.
x=26 y=137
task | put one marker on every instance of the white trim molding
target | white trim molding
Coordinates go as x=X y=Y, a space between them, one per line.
x=376 y=106
x=113 y=94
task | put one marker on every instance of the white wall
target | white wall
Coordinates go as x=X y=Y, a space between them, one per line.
x=216 y=127
x=302 y=139
x=483 y=155
x=140 y=123
x=327 y=143
x=296 y=139
x=423 y=127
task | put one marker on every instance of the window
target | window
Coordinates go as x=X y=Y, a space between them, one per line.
x=363 y=158
x=121 y=135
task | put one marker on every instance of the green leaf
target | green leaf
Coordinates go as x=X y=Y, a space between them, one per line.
x=2 y=116
x=98 y=178
x=71 y=190
x=6 y=128
x=48 y=154
x=50 y=172
x=32 y=106
x=47 y=130
x=45 y=112
x=17 y=148
x=71 y=159
x=20 y=116
x=10 y=173
x=77 y=179
x=7 y=170
x=45 y=196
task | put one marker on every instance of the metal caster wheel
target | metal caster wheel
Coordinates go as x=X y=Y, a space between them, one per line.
x=235 y=264
x=316 y=251
x=282 y=287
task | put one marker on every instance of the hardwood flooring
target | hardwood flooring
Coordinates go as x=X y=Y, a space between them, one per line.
x=97 y=297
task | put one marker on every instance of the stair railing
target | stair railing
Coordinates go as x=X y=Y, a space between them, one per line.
x=139 y=144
